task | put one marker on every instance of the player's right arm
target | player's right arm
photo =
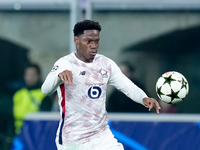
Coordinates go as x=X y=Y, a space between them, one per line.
x=66 y=76
x=56 y=77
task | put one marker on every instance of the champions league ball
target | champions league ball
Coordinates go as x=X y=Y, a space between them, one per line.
x=172 y=87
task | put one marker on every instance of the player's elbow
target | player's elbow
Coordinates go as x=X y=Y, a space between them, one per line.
x=45 y=90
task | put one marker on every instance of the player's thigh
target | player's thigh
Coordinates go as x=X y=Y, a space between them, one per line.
x=108 y=142
x=72 y=147
x=69 y=147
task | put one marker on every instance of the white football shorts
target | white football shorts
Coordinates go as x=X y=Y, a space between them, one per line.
x=105 y=142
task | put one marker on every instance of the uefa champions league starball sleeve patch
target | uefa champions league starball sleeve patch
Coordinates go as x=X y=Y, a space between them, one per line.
x=54 y=68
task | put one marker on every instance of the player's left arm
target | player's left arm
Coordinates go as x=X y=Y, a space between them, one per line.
x=125 y=85
x=122 y=83
x=150 y=103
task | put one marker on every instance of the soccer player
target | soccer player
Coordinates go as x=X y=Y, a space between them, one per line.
x=81 y=79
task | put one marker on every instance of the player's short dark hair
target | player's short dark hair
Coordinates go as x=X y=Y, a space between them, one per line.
x=81 y=26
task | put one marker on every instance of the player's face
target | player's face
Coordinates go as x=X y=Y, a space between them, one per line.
x=87 y=45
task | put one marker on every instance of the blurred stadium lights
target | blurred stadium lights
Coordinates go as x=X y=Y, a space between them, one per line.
x=141 y=5
x=46 y=5
x=31 y=5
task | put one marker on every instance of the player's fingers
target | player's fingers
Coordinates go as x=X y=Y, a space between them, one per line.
x=61 y=76
x=150 y=105
x=157 y=110
x=70 y=78
x=146 y=102
x=65 y=78
x=157 y=107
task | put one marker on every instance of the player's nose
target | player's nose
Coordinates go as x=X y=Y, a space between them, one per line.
x=93 y=45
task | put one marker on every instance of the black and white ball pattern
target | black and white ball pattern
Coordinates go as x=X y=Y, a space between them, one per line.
x=172 y=87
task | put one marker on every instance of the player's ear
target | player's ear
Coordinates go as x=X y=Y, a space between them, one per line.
x=76 y=40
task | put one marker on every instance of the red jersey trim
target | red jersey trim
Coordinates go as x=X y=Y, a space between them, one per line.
x=62 y=87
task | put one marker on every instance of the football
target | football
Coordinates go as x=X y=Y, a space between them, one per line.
x=172 y=87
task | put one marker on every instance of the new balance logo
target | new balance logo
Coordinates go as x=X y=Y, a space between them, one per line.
x=82 y=73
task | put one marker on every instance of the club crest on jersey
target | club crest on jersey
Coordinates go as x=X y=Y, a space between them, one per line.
x=103 y=73
x=54 y=68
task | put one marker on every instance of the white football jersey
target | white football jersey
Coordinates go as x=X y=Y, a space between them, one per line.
x=82 y=104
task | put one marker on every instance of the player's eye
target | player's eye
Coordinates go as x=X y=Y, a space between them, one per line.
x=88 y=41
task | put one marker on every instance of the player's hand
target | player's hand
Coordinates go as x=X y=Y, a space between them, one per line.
x=66 y=76
x=150 y=103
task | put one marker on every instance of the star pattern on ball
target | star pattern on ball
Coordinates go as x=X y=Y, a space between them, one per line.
x=184 y=83
x=173 y=95
x=168 y=79
x=159 y=91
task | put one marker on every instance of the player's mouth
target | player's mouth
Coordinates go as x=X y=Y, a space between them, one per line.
x=93 y=53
